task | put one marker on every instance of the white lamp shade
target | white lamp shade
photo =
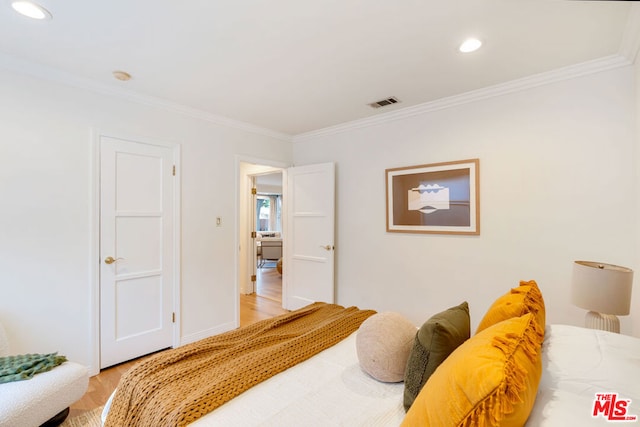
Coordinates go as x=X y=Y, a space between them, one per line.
x=600 y=287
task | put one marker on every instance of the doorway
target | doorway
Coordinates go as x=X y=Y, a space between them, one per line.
x=308 y=215
x=248 y=258
x=269 y=237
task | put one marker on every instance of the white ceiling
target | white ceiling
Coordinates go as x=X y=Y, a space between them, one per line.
x=295 y=66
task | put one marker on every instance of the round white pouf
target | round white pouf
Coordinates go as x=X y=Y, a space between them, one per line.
x=383 y=344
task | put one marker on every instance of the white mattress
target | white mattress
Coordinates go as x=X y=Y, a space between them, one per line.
x=328 y=390
x=577 y=364
x=331 y=390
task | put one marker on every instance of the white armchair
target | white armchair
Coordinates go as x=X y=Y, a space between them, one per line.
x=43 y=399
x=271 y=250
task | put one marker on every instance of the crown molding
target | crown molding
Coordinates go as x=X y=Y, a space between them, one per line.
x=628 y=53
x=630 y=45
x=564 y=73
x=62 y=77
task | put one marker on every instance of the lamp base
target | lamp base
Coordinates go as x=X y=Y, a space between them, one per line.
x=605 y=322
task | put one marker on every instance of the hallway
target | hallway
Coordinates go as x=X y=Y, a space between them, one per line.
x=269 y=283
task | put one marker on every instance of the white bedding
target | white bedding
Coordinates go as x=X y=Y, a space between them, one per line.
x=577 y=363
x=330 y=389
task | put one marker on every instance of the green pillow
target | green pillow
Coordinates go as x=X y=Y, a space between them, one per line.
x=436 y=339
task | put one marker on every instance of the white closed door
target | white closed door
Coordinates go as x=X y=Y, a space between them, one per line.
x=137 y=257
x=309 y=245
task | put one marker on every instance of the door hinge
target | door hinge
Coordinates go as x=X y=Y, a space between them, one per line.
x=254 y=234
x=253 y=278
x=174 y=170
x=254 y=190
x=173 y=317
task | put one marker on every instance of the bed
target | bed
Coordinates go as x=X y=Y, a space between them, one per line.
x=578 y=363
x=331 y=388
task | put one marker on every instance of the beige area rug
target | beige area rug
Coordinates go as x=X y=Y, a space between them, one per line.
x=88 y=419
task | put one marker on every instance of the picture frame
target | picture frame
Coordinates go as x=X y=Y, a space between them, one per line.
x=437 y=198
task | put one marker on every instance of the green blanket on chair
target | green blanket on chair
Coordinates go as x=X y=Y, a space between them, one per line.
x=25 y=366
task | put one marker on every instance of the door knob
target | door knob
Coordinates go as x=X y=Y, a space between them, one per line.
x=326 y=247
x=111 y=260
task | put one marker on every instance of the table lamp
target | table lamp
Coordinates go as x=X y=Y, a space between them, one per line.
x=604 y=290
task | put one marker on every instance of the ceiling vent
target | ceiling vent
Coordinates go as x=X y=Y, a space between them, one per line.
x=384 y=102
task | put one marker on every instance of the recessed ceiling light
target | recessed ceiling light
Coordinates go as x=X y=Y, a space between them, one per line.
x=122 y=75
x=470 y=45
x=31 y=10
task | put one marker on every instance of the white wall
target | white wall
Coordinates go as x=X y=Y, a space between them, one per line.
x=557 y=184
x=45 y=229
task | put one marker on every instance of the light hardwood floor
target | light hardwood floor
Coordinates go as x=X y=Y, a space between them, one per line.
x=252 y=309
x=269 y=283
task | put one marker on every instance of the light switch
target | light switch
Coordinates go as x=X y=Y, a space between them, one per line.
x=218 y=221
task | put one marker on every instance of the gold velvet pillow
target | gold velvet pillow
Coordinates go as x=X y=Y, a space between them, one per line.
x=490 y=380
x=524 y=299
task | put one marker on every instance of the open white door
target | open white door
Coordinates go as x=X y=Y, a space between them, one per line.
x=309 y=246
x=137 y=249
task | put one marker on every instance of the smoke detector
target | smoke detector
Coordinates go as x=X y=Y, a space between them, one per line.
x=122 y=75
x=384 y=102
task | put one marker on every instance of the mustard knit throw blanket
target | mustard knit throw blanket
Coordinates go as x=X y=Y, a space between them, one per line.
x=178 y=386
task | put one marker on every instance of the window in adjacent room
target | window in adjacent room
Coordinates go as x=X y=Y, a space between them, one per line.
x=268 y=209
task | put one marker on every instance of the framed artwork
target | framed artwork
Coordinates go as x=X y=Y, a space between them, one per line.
x=441 y=198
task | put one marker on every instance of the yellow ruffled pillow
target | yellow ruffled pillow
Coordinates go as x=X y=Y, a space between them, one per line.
x=490 y=380
x=524 y=299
